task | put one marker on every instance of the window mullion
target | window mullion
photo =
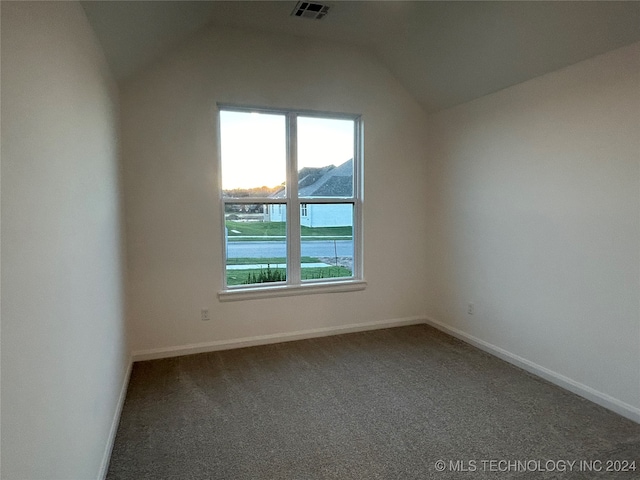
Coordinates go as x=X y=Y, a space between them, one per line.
x=293 y=203
x=358 y=193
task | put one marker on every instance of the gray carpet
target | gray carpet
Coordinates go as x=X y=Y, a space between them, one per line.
x=385 y=404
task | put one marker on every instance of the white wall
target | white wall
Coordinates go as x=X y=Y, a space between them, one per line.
x=64 y=352
x=172 y=210
x=539 y=205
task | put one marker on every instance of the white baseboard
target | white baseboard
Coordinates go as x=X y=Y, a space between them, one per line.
x=166 y=352
x=602 y=399
x=104 y=467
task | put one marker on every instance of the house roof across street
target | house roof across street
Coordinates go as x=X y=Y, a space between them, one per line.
x=329 y=181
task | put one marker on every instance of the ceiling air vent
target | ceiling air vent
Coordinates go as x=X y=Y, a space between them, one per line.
x=315 y=11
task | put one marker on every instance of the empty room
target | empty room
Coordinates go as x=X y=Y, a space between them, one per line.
x=320 y=240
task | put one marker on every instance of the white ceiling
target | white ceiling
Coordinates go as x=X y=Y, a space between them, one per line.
x=445 y=53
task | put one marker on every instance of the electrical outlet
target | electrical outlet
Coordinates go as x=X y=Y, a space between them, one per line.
x=204 y=315
x=470 y=308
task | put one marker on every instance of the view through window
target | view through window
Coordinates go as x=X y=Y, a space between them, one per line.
x=290 y=193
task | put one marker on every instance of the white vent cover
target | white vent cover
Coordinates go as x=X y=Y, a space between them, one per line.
x=315 y=11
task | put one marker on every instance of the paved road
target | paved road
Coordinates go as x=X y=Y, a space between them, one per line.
x=313 y=248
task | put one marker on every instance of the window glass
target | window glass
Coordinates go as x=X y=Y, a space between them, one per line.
x=255 y=243
x=253 y=153
x=325 y=157
x=327 y=241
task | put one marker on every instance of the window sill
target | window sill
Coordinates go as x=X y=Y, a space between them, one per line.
x=231 y=295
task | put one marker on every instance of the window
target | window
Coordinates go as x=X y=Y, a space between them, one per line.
x=291 y=197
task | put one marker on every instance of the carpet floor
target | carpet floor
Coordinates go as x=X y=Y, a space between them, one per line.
x=385 y=404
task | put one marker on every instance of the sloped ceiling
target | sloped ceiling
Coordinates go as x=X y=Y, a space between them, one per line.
x=445 y=53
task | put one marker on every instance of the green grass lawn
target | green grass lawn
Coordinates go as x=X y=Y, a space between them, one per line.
x=240 y=277
x=266 y=260
x=316 y=273
x=237 y=230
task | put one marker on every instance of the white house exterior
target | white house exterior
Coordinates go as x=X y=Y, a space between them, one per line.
x=328 y=181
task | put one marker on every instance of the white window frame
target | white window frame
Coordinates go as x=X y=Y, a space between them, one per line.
x=294 y=285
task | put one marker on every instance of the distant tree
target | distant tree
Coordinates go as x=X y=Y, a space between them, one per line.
x=263 y=191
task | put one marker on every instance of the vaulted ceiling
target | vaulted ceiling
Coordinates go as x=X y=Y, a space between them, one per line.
x=445 y=53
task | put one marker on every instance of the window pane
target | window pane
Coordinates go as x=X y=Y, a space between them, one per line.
x=253 y=154
x=327 y=241
x=256 y=244
x=325 y=157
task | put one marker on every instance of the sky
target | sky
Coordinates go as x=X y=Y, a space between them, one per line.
x=253 y=147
